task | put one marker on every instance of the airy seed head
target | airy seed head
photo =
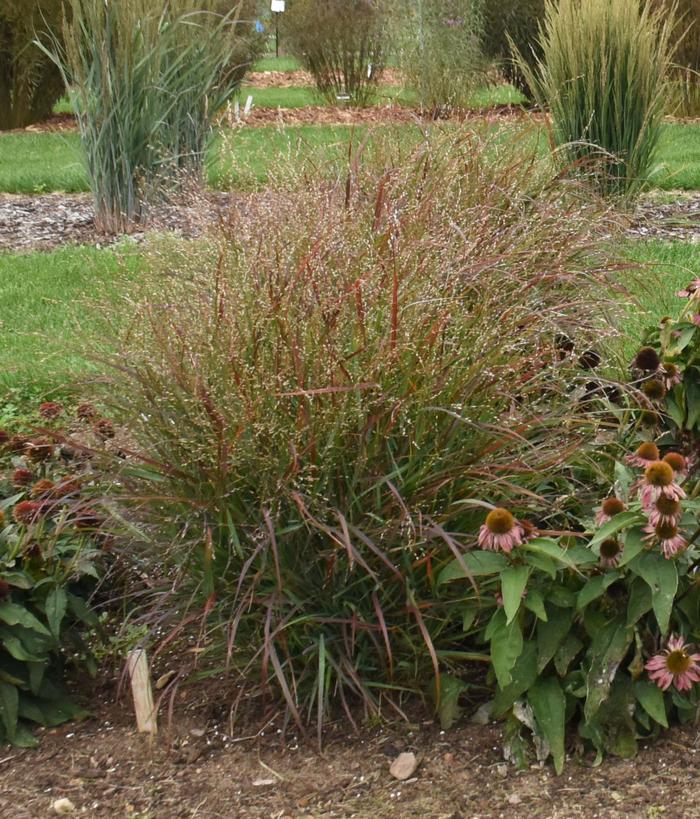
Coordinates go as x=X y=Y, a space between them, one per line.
x=659 y=474
x=500 y=521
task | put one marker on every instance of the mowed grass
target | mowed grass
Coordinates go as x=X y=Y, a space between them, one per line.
x=46 y=317
x=43 y=162
x=49 y=321
x=666 y=267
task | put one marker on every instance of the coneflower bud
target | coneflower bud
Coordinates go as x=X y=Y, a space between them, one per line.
x=22 y=477
x=676 y=461
x=39 y=450
x=42 y=488
x=86 y=412
x=654 y=389
x=26 y=511
x=104 y=428
x=50 y=410
x=647 y=359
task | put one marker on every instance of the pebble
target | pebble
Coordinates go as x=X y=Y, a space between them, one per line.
x=404 y=766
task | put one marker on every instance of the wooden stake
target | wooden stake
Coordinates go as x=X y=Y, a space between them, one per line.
x=137 y=668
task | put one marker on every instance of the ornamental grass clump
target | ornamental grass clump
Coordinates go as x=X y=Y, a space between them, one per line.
x=317 y=393
x=603 y=75
x=147 y=81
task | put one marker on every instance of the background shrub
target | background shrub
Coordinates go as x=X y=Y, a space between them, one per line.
x=319 y=395
x=341 y=42
x=514 y=22
x=30 y=83
x=440 y=49
x=147 y=83
x=603 y=75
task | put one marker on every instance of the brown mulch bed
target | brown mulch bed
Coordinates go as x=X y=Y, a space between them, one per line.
x=329 y=115
x=287 y=79
x=199 y=767
x=48 y=221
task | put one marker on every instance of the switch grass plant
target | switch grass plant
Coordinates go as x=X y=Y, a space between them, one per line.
x=147 y=81
x=323 y=395
x=603 y=75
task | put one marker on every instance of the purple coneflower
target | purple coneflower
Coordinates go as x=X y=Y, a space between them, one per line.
x=674 y=665
x=654 y=389
x=691 y=291
x=671 y=375
x=610 y=507
x=659 y=479
x=26 y=511
x=665 y=512
x=647 y=359
x=668 y=537
x=50 y=410
x=22 y=477
x=500 y=532
x=645 y=454
x=677 y=462
x=610 y=553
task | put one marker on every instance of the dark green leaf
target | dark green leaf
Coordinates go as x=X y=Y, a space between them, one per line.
x=56 y=603
x=506 y=647
x=622 y=521
x=9 y=703
x=639 y=602
x=477 y=562
x=524 y=674
x=549 y=707
x=651 y=698
x=550 y=636
x=513 y=583
x=607 y=651
x=14 y=614
x=662 y=577
x=566 y=653
x=449 y=710
x=535 y=602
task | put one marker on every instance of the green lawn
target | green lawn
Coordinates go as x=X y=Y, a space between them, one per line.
x=35 y=162
x=272 y=63
x=46 y=316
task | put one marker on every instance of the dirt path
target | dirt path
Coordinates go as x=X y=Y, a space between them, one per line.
x=203 y=771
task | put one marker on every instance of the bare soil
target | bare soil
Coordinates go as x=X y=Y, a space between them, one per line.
x=201 y=768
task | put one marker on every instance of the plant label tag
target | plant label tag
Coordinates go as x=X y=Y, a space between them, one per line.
x=277 y=6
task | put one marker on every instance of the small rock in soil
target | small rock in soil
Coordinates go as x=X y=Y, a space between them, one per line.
x=404 y=766
x=63 y=807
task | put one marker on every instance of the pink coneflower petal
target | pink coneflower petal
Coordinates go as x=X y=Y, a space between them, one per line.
x=669 y=539
x=609 y=508
x=691 y=291
x=646 y=453
x=674 y=666
x=671 y=375
x=501 y=532
x=658 y=481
